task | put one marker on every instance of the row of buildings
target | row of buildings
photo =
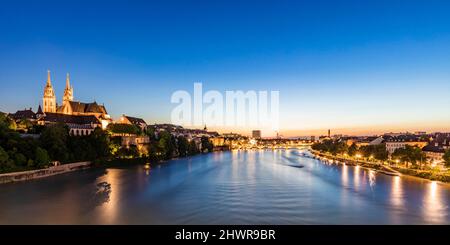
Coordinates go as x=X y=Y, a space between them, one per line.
x=434 y=145
x=82 y=118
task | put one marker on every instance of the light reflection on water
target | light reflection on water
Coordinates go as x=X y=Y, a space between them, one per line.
x=397 y=197
x=237 y=187
x=433 y=204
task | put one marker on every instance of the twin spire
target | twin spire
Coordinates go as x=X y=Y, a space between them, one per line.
x=68 y=91
x=49 y=80
x=68 y=81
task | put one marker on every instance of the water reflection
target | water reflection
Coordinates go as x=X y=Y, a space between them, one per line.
x=356 y=175
x=433 y=204
x=372 y=178
x=345 y=175
x=235 y=187
x=109 y=208
x=397 y=198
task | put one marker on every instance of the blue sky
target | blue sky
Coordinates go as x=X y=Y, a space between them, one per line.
x=352 y=66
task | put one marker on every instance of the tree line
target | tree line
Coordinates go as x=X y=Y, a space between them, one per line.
x=162 y=146
x=55 y=143
x=409 y=154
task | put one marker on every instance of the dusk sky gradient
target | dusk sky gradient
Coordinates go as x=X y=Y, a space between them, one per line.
x=357 y=67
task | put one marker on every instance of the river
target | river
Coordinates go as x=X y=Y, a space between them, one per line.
x=237 y=187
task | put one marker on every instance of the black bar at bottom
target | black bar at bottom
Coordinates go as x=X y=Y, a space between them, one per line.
x=223 y=234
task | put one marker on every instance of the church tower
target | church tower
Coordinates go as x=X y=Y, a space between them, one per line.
x=68 y=91
x=49 y=99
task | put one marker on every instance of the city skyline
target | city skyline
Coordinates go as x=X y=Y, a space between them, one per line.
x=387 y=71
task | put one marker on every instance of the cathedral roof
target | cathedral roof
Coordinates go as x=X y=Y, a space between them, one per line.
x=81 y=107
x=24 y=114
x=135 y=120
x=64 y=118
x=39 y=111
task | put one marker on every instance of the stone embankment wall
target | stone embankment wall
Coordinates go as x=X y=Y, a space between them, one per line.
x=41 y=173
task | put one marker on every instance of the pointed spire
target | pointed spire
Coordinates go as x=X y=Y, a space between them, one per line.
x=49 y=81
x=68 y=81
x=39 y=111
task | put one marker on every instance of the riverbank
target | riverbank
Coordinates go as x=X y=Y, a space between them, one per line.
x=389 y=170
x=69 y=167
x=42 y=173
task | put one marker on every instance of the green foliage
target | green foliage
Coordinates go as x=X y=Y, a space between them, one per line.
x=130 y=152
x=336 y=147
x=378 y=152
x=42 y=159
x=100 y=141
x=54 y=139
x=192 y=148
x=352 y=150
x=6 y=122
x=17 y=153
x=20 y=159
x=447 y=158
x=167 y=145
x=36 y=129
x=56 y=144
x=207 y=145
x=121 y=128
x=150 y=132
x=182 y=146
x=5 y=162
x=331 y=146
x=96 y=146
x=155 y=153
x=409 y=154
x=24 y=125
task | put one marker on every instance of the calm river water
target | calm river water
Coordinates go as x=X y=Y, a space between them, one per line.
x=253 y=187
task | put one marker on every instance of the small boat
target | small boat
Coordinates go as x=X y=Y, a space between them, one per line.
x=388 y=173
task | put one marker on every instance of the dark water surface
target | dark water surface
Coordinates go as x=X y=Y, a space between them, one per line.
x=254 y=187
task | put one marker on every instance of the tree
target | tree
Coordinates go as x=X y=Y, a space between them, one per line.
x=182 y=146
x=25 y=125
x=100 y=141
x=378 y=152
x=20 y=159
x=131 y=152
x=331 y=146
x=193 y=149
x=154 y=152
x=6 y=122
x=352 y=150
x=54 y=140
x=122 y=128
x=36 y=129
x=167 y=145
x=42 y=159
x=409 y=154
x=5 y=162
x=150 y=132
x=207 y=145
x=447 y=158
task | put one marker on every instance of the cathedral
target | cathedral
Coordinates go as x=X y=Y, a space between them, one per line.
x=73 y=113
